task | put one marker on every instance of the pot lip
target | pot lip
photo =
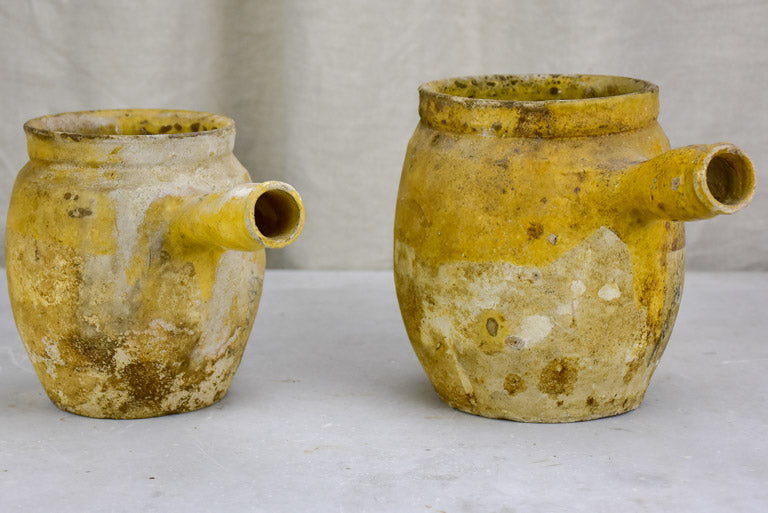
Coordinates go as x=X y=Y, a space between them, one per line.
x=589 y=105
x=435 y=88
x=45 y=126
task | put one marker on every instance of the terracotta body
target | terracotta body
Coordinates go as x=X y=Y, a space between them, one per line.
x=135 y=258
x=539 y=244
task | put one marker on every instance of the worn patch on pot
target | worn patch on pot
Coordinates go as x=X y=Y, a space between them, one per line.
x=568 y=329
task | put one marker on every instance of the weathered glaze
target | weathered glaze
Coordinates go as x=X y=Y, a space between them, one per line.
x=135 y=258
x=539 y=244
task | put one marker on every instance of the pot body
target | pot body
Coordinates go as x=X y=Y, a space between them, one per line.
x=528 y=290
x=118 y=320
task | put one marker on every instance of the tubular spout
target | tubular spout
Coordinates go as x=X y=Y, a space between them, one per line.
x=693 y=182
x=249 y=217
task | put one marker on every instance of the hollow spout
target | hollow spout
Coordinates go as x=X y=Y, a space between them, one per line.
x=689 y=183
x=249 y=217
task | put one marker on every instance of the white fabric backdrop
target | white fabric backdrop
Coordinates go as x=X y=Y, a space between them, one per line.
x=324 y=93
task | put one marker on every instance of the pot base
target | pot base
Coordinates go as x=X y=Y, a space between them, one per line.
x=138 y=413
x=552 y=415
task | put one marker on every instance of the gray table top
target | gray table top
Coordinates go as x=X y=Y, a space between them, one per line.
x=330 y=411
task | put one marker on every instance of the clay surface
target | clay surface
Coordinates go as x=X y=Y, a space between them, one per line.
x=539 y=243
x=124 y=315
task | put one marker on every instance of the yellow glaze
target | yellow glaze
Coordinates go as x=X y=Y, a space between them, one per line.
x=539 y=243
x=135 y=258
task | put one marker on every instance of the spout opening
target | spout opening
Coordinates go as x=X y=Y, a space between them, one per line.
x=277 y=216
x=730 y=180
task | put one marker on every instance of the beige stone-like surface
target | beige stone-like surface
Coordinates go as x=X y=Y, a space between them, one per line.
x=330 y=400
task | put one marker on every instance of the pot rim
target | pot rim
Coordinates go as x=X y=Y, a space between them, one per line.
x=437 y=87
x=591 y=104
x=55 y=125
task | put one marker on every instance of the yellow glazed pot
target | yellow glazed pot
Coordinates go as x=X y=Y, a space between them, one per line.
x=539 y=244
x=135 y=258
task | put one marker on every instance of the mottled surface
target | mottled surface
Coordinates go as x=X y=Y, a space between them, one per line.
x=120 y=319
x=562 y=342
x=539 y=246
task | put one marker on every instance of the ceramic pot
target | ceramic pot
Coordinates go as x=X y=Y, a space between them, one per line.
x=135 y=258
x=539 y=244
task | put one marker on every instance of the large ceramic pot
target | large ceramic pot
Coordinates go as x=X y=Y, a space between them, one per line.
x=135 y=258
x=539 y=244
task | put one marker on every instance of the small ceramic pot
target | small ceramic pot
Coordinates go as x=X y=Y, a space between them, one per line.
x=135 y=258
x=539 y=244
